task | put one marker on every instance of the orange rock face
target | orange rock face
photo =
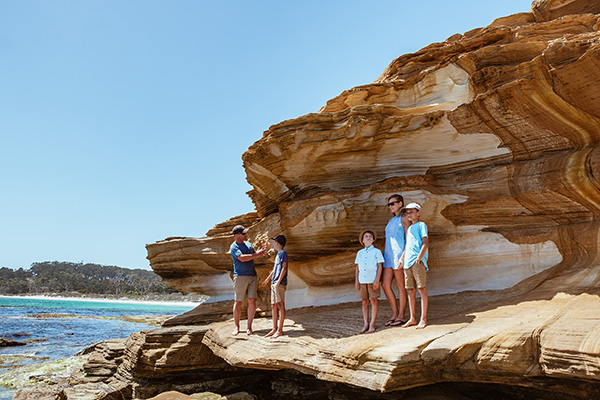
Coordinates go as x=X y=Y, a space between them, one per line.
x=496 y=134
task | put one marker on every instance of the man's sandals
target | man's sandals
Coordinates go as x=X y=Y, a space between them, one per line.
x=395 y=322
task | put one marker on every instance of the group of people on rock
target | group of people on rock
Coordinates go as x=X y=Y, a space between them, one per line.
x=404 y=260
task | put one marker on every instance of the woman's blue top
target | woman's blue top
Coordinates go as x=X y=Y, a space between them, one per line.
x=394 y=242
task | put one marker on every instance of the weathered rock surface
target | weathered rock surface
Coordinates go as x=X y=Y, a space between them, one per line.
x=7 y=342
x=476 y=337
x=496 y=133
x=174 y=363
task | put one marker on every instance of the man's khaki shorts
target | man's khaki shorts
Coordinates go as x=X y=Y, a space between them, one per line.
x=416 y=273
x=278 y=293
x=245 y=286
x=367 y=291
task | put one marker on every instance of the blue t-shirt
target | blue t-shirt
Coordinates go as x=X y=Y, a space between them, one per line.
x=242 y=268
x=279 y=260
x=368 y=260
x=394 y=242
x=414 y=242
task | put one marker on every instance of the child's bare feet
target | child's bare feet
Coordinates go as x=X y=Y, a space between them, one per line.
x=410 y=322
x=277 y=334
x=371 y=329
x=270 y=333
x=364 y=329
x=422 y=324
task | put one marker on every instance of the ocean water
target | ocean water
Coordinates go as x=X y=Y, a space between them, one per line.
x=59 y=328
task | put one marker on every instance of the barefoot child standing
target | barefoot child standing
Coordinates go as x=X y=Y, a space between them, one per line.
x=415 y=264
x=369 y=262
x=278 y=285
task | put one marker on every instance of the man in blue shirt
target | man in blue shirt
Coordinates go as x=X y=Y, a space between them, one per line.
x=244 y=276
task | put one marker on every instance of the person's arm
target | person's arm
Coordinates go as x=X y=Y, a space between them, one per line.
x=356 y=284
x=282 y=273
x=405 y=223
x=249 y=257
x=401 y=260
x=264 y=283
x=424 y=248
x=379 y=269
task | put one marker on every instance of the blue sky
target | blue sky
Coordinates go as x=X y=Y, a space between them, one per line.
x=124 y=122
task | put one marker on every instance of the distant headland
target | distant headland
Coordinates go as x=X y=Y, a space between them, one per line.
x=90 y=281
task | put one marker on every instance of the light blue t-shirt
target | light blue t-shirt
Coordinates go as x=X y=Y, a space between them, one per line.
x=242 y=268
x=414 y=241
x=367 y=260
x=279 y=260
x=394 y=242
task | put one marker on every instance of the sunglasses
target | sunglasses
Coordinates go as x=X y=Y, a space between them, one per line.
x=391 y=203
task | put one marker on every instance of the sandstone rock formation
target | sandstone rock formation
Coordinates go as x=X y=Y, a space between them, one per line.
x=496 y=133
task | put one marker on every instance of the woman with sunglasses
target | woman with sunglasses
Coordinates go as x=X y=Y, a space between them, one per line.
x=395 y=233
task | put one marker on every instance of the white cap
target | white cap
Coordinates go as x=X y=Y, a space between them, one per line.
x=411 y=205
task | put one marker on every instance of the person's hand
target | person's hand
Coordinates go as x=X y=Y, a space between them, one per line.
x=357 y=286
x=264 y=283
x=262 y=250
x=375 y=285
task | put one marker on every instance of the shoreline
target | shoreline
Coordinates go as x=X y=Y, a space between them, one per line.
x=121 y=300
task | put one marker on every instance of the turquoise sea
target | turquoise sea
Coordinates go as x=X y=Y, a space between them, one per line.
x=59 y=328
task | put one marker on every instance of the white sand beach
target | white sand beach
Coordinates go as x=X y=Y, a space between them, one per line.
x=122 y=300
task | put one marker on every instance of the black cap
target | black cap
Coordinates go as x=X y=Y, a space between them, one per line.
x=280 y=239
x=238 y=229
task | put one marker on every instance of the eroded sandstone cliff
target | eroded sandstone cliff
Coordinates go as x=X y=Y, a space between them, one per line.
x=496 y=133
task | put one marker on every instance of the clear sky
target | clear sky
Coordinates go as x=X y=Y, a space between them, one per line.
x=124 y=122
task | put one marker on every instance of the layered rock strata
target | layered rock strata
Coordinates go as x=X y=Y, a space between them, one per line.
x=175 y=362
x=496 y=133
x=493 y=131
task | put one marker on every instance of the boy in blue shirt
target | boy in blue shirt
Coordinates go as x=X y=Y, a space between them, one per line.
x=415 y=257
x=278 y=285
x=369 y=263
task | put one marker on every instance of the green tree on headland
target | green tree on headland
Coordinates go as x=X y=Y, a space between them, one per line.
x=67 y=277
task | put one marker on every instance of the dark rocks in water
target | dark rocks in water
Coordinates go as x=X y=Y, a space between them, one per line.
x=152 y=320
x=20 y=334
x=10 y=342
x=6 y=342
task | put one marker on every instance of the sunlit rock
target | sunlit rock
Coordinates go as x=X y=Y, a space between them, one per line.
x=496 y=133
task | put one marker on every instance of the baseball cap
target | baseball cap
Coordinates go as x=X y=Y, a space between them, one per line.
x=238 y=229
x=280 y=239
x=411 y=205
